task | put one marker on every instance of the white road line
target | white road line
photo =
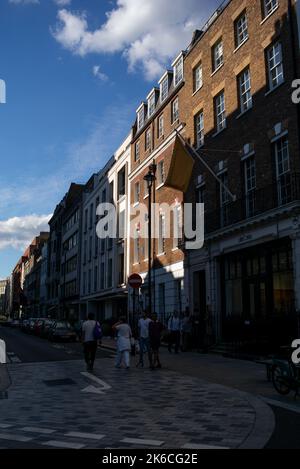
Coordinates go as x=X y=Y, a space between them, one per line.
x=283 y=405
x=88 y=436
x=44 y=431
x=5 y=425
x=193 y=446
x=15 y=359
x=12 y=437
x=63 y=444
x=136 y=441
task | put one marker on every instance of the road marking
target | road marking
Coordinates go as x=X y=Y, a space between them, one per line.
x=136 y=441
x=88 y=436
x=93 y=389
x=44 y=431
x=283 y=405
x=11 y=437
x=5 y=425
x=63 y=444
x=15 y=359
x=193 y=446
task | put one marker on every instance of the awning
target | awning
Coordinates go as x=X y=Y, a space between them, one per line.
x=181 y=167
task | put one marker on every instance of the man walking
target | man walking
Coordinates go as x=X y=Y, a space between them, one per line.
x=124 y=336
x=174 y=328
x=91 y=333
x=155 y=332
x=144 y=340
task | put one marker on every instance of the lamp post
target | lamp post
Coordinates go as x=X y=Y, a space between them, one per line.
x=150 y=179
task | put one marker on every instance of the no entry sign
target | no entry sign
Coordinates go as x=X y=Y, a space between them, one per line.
x=135 y=281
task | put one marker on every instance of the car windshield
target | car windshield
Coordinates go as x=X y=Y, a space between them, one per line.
x=63 y=325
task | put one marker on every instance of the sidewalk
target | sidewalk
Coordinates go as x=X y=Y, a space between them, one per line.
x=5 y=381
x=242 y=375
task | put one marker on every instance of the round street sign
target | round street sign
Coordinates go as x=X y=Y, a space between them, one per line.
x=135 y=281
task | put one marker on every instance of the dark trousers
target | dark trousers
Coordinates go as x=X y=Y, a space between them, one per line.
x=90 y=349
x=174 y=339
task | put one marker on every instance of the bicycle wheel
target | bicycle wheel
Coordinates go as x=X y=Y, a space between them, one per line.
x=280 y=382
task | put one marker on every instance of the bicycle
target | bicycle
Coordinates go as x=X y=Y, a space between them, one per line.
x=286 y=377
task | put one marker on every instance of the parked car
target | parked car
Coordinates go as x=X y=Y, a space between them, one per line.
x=46 y=329
x=31 y=326
x=24 y=325
x=38 y=327
x=15 y=323
x=62 y=331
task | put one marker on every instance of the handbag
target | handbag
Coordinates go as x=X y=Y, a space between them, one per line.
x=97 y=332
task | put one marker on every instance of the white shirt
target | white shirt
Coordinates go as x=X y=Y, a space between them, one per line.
x=88 y=328
x=124 y=336
x=174 y=324
x=144 y=327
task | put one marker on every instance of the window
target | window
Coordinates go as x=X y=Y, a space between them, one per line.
x=224 y=198
x=218 y=55
x=89 y=281
x=245 y=95
x=151 y=105
x=220 y=113
x=84 y=283
x=161 y=173
x=91 y=216
x=175 y=110
x=177 y=236
x=137 y=152
x=162 y=301
x=95 y=278
x=178 y=72
x=140 y=118
x=164 y=89
x=122 y=224
x=85 y=220
x=136 y=248
x=136 y=192
x=275 y=65
x=269 y=6
x=148 y=140
x=122 y=182
x=241 y=29
x=250 y=186
x=109 y=273
x=199 y=129
x=96 y=245
x=160 y=126
x=121 y=264
x=162 y=230
x=198 y=78
x=282 y=158
x=102 y=277
x=111 y=192
x=90 y=248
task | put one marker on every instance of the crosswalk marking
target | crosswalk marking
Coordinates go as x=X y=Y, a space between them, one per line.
x=193 y=446
x=88 y=436
x=12 y=437
x=44 y=431
x=63 y=444
x=136 y=441
x=4 y=426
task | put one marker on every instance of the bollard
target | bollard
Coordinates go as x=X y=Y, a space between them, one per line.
x=2 y=352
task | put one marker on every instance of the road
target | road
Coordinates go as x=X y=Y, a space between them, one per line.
x=53 y=402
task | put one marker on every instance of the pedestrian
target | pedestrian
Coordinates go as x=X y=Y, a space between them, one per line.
x=144 y=341
x=124 y=336
x=155 y=332
x=186 y=329
x=174 y=328
x=91 y=333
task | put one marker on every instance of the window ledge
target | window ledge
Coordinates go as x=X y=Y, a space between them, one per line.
x=197 y=91
x=176 y=122
x=136 y=204
x=241 y=45
x=217 y=69
x=269 y=15
x=175 y=249
x=244 y=112
x=275 y=88
x=161 y=254
x=146 y=196
x=160 y=186
x=219 y=132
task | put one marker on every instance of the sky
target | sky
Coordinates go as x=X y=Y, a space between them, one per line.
x=75 y=72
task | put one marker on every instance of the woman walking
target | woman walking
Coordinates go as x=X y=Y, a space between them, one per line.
x=124 y=335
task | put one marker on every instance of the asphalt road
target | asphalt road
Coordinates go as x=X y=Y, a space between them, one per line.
x=25 y=348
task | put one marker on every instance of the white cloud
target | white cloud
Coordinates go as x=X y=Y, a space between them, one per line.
x=98 y=74
x=18 y=232
x=147 y=33
x=62 y=3
x=24 y=2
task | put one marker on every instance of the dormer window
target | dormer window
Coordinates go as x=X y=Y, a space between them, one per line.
x=151 y=104
x=140 y=117
x=178 y=70
x=164 y=87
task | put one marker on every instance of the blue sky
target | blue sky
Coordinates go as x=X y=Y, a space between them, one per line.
x=75 y=72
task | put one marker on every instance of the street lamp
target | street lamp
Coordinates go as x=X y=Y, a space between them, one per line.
x=150 y=179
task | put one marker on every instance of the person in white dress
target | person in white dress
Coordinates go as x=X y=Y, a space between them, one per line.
x=124 y=336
